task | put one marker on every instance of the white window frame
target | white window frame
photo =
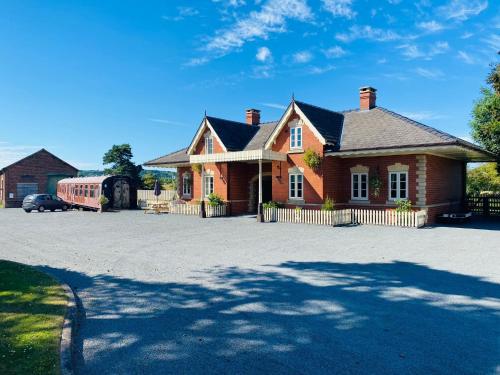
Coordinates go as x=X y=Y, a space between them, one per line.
x=293 y=193
x=187 y=185
x=208 y=185
x=360 y=176
x=398 y=185
x=209 y=140
x=296 y=137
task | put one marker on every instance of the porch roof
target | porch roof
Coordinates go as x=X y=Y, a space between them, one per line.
x=175 y=159
x=250 y=155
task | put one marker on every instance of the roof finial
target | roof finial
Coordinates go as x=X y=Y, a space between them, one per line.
x=205 y=113
x=293 y=97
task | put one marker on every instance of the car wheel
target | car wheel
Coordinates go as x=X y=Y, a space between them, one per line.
x=52 y=210
x=41 y=209
x=27 y=211
x=64 y=208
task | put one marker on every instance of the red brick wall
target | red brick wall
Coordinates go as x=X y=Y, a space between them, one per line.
x=313 y=180
x=338 y=172
x=445 y=185
x=34 y=169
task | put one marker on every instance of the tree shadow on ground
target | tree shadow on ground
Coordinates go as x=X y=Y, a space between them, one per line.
x=292 y=318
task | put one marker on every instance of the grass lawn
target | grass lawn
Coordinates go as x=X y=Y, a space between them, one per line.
x=32 y=308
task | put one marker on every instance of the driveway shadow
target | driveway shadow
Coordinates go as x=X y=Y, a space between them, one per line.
x=291 y=318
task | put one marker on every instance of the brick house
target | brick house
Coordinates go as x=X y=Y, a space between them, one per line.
x=370 y=157
x=36 y=173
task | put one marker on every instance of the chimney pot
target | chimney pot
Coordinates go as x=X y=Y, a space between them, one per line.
x=252 y=116
x=367 y=98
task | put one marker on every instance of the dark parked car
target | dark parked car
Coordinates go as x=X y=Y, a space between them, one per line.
x=42 y=202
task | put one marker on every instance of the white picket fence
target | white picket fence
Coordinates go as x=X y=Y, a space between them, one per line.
x=194 y=209
x=292 y=215
x=414 y=219
x=215 y=211
x=145 y=196
x=184 y=209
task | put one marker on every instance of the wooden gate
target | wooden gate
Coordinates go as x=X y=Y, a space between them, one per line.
x=485 y=206
x=121 y=194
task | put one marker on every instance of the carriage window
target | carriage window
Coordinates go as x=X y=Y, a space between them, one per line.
x=86 y=190
x=91 y=191
x=81 y=191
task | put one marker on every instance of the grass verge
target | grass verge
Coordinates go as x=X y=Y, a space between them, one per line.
x=32 y=308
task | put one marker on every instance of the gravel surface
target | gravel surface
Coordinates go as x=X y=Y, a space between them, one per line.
x=177 y=294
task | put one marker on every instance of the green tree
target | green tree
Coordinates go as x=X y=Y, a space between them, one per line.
x=485 y=121
x=120 y=158
x=148 y=180
x=484 y=178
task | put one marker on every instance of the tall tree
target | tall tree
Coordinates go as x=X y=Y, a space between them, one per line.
x=120 y=158
x=486 y=114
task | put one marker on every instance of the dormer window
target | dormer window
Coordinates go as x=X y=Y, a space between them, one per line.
x=209 y=145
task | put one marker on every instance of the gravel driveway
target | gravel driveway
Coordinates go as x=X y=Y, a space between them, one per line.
x=178 y=294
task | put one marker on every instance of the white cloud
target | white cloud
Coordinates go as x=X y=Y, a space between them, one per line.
x=423 y=115
x=320 y=69
x=339 y=8
x=264 y=54
x=182 y=13
x=462 y=10
x=168 y=122
x=493 y=41
x=334 y=52
x=302 y=57
x=381 y=61
x=465 y=57
x=412 y=51
x=466 y=35
x=271 y=18
x=430 y=26
x=274 y=105
x=367 y=32
x=429 y=73
x=197 y=61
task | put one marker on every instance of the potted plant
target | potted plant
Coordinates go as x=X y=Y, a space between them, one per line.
x=376 y=185
x=196 y=168
x=312 y=159
x=328 y=205
x=214 y=200
x=103 y=202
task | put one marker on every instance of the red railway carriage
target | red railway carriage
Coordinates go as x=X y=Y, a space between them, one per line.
x=86 y=192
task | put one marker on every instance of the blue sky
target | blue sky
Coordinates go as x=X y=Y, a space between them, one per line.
x=79 y=76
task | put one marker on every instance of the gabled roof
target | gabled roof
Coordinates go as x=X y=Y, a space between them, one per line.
x=328 y=123
x=35 y=154
x=380 y=128
x=263 y=133
x=178 y=157
x=234 y=135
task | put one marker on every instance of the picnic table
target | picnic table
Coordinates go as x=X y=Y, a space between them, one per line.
x=157 y=208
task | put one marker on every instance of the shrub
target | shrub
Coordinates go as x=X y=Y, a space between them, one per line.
x=103 y=201
x=196 y=168
x=272 y=204
x=329 y=205
x=403 y=205
x=312 y=159
x=214 y=200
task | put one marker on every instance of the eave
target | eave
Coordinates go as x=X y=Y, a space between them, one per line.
x=455 y=151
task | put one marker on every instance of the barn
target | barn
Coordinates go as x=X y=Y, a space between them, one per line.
x=36 y=173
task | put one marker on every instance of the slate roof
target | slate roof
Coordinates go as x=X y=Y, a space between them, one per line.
x=328 y=123
x=354 y=130
x=380 y=128
x=260 y=138
x=234 y=135
x=176 y=157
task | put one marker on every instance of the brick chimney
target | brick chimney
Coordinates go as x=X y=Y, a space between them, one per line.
x=367 y=98
x=253 y=116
